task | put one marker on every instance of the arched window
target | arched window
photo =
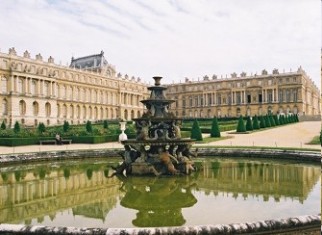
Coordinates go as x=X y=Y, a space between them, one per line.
x=64 y=111
x=4 y=107
x=48 y=109
x=22 y=107
x=35 y=108
x=78 y=111
x=4 y=85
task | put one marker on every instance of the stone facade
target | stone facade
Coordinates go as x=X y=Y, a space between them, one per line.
x=277 y=93
x=34 y=91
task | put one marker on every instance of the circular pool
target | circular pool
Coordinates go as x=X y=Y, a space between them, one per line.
x=81 y=193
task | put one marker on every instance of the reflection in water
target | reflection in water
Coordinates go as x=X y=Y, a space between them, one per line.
x=158 y=200
x=76 y=193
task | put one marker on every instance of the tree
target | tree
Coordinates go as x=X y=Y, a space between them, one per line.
x=262 y=123
x=66 y=126
x=255 y=123
x=195 y=131
x=267 y=122
x=249 y=124
x=41 y=127
x=105 y=124
x=89 y=127
x=16 y=127
x=215 y=132
x=277 y=123
x=3 y=125
x=271 y=120
x=241 y=126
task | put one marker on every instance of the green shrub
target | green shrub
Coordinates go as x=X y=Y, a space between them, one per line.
x=262 y=123
x=105 y=124
x=89 y=127
x=241 y=126
x=195 y=131
x=3 y=125
x=277 y=123
x=215 y=132
x=16 y=127
x=66 y=126
x=41 y=127
x=271 y=120
x=255 y=123
x=267 y=122
x=249 y=124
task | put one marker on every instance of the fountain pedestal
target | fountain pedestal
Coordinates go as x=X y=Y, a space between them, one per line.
x=158 y=148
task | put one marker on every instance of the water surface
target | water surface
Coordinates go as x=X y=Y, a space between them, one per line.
x=80 y=193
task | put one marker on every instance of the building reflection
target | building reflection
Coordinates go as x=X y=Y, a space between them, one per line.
x=28 y=194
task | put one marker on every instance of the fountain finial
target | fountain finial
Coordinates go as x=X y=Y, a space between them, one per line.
x=157 y=80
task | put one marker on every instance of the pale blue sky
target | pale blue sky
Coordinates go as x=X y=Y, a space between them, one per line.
x=171 y=38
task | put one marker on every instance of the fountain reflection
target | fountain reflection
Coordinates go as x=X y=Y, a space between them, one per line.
x=158 y=200
x=36 y=194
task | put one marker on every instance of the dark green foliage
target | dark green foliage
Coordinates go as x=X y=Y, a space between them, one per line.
x=255 y=123
x=281 y=120
x=16 y=128
x=3 y=125
x=66 y=173
x=241 y=125
x=249 y=124
x=262 y=123
x=105 y=124
x=297 y=118
x=271 y=120
x=277 y=123
x=41 y=127
x=267 y=122
x=321 y=138
x=66 y=126
x=17 y=176
x=89 y=173
x=4 y=176
x=215 y=132
x=195 y=131
x=89 y=127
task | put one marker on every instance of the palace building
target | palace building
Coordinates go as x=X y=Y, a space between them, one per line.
x=247 y=95
x=35 y=90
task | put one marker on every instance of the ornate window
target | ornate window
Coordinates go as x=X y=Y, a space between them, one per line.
x=4 y=107
x=48 y=109
x=4 y=85
x=22 y=107
x=35 y=108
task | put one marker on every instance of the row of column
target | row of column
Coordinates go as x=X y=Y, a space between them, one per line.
x=240 y=97
x=27 y=86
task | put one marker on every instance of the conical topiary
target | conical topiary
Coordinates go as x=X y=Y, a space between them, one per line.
x=271 y=120
x=267 y=122
x=16 y=127
x=262 y=123
x=277 y=123
x=255 y=123
x=195 y=131
x=66 y=126
x=215 y=132
x=89 y=127
x=249 y=124
x=3 y=125
x=241 y=126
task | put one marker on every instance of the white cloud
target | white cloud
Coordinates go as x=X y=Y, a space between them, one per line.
x=173 y=38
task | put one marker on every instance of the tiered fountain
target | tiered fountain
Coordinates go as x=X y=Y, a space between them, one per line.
x=158 y=148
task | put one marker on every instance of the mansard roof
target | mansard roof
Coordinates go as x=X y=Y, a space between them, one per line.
x=89 y=62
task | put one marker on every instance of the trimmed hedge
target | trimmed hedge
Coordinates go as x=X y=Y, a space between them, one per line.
x=12 y=142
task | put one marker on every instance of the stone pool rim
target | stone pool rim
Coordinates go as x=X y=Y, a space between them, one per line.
x=301 y=222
